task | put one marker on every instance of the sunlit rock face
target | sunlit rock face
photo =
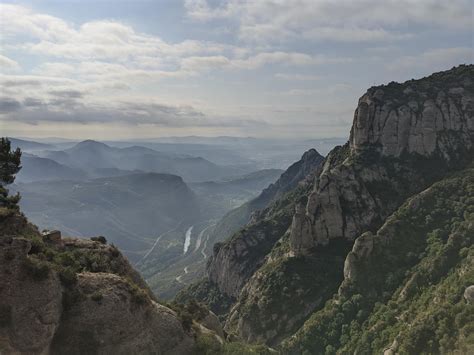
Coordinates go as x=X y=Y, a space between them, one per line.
x=399 y=132
x=415 y=121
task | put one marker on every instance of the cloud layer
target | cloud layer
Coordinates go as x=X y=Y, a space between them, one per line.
x=276 y=64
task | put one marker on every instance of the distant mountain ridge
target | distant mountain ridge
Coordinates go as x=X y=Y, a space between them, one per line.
x=89 y=155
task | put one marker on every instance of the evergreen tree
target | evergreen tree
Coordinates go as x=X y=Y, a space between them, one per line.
x=9 y=166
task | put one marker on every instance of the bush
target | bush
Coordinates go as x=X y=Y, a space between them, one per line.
x=139 y=296
x=36 y=268
x=68 y=276
x=101 y=239
x=186 y=319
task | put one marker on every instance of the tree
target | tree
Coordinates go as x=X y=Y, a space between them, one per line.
x=9 y=166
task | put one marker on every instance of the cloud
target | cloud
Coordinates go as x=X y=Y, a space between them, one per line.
x=296 y=77
x=8 y=104
x=344 y=20
x=354 y=34
x=8 y=64
x=433 y=59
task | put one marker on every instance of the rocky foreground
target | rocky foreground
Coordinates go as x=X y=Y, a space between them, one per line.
x=76 y=296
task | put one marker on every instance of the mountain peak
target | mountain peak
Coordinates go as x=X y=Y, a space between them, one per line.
x=430 y=116
x=89 y=143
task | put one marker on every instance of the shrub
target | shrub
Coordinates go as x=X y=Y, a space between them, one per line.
x=68 y=276
x=101 y=239
x=186 y=319
x=38 y=269
x=139 y=296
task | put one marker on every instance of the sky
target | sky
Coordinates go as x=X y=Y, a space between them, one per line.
x=263 y=68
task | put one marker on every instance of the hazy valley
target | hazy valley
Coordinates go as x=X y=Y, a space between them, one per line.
x=237 y=177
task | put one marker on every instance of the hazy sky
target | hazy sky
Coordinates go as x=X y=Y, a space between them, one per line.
x=263 y=68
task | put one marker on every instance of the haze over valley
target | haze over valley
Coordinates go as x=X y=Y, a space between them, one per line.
x=152 y=203
x=237 y=177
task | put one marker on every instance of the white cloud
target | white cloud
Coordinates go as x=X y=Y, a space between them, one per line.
x=342 y=20
x=433 y=60
x=354 y=34
x=296 y=77
x=8 y=64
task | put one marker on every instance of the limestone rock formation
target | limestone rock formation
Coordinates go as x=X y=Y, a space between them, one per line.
x=469 y=294
x=427 y=116
x=78 y=296
x=395 y=151
x=401 y=133
x=108 y=318
x=30 y=309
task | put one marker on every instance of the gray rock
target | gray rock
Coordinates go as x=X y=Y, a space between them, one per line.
x=469 y=294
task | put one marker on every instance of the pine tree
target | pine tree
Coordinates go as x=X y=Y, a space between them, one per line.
x=9 y=166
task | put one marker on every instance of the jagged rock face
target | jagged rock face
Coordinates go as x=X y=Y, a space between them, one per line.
x=427 y=121
x=30 y=310
x=107 y=320
x=110 y=312
x=234 y=262
x=414 y=118
x=469 y=294
x=296 y=173
x=341 y=204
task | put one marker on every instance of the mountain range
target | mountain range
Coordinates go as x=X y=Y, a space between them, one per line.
x=368 y=250
x=353 y=259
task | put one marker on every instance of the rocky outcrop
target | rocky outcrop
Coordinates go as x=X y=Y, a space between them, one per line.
x=469 y=294
x=30 y=309
x=351 y=194
x=294 y=175
x=78 y=296
x=402 y=134
x=108 y=318
x=434 y=115
x=235 y=261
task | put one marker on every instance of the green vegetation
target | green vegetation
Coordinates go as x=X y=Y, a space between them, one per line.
x=9 y=166
x=410 y=287
x=206 y=292
x=101 y=239
x=207 y=344
x=292 y=288
x=189 y=312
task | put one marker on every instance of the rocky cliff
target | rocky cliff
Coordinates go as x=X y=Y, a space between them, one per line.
x=403 y=137
x=406 y=285
x=284 y=265
x=78 y=296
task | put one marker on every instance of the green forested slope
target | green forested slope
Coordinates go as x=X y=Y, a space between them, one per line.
x=406 y=293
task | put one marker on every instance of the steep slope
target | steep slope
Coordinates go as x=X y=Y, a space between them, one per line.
x=169 y=269
x=77 y=296
x=290 y=179
x=404 y=138
x=403 y=285
x=271 y=204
